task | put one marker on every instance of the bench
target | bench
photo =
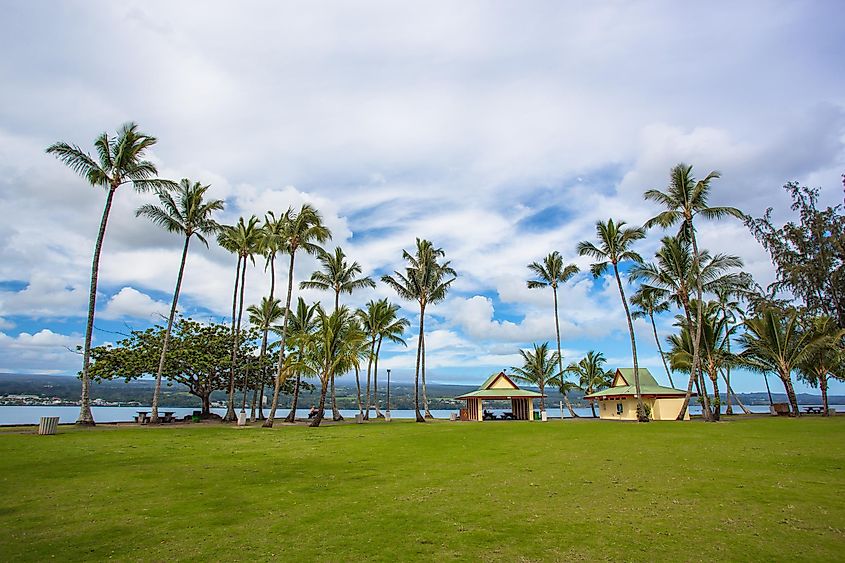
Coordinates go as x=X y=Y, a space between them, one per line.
x=814 y=410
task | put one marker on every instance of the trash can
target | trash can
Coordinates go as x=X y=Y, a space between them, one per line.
x=359 y=418
x=453 y=417
x=544 y=417
x=536 y=415
x=196 y=416
x=241 y=418
x=47 y=425
x=387 y=417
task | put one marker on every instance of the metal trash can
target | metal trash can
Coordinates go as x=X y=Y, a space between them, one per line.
x=387 y=417
x=536 y=415
x=47 y=425
x=543 y=416
x=241 y=418
x=453 y=416
x=359 y=418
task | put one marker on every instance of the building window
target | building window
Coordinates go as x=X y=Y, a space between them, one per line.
x=619 y=409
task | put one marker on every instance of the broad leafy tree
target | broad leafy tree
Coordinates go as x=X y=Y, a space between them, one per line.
x=809 y=252
x=182 y=211
x=614 y=247
x=426 y=280
x=827 y=359
x=552 y=272
x=120 y=161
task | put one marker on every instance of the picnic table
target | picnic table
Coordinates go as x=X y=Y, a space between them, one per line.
x=814 y=410
x=142 y=417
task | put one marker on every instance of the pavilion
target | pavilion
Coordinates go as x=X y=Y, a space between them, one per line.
x=499 y=387
x=619 y=401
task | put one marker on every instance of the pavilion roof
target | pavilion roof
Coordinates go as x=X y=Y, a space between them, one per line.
x=506 y=389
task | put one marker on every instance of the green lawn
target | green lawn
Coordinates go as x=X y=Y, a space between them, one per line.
x=759 y=489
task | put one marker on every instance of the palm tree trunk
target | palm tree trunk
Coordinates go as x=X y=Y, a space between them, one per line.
x=419 y=416
x=728 y=407
x=823 y=386
x=278 y=381
x=230 y=403
x=768 y=390
x=790 y=394
x=369 y=370
x=660 y=350
x=86 y=418
x=291 y=417
x=717 y=401
x=738 y=401
x=424 y=392
x=560 y=358
x=693 y=377
x=641 y=415
x=375 y=381
x=173 y=304
x=260 y=394
x=318 y=418
x=358 y=384
x=593 y=407
x=335 y=412
x=696 y=344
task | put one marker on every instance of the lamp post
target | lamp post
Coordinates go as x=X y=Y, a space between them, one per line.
x=388 y=393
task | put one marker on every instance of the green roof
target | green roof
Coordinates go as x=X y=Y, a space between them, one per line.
x=648 y=386
x=500 y=393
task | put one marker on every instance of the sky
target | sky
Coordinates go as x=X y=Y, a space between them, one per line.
x=501 y=131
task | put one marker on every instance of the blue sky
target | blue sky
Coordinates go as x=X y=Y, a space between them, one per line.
x=499 y=131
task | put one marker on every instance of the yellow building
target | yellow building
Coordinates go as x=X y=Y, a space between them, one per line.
x=619 y=401
x=499 y=387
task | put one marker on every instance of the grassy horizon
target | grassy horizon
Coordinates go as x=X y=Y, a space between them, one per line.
x=755 y=489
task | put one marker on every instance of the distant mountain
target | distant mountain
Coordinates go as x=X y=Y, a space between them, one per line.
x=441 y=396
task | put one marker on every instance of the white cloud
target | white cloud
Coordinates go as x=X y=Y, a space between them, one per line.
x=131 y=303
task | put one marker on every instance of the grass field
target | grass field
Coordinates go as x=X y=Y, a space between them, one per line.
x=758 y=489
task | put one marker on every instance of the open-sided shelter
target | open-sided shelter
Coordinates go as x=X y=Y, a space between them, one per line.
x=619 y=401
x=499 y=387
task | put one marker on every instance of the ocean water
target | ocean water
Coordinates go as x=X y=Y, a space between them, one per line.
x=31 y=415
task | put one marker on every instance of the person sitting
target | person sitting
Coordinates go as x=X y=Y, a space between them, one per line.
x=313 y=412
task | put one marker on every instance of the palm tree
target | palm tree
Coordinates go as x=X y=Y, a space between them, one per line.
x=615 y=241
x=183 y=211
x=336 y=345
x=263 y=316
x=424 y=281
x=120 y=160
x=591 y=374
x=341 y=277
x=729 y=308
x=713 y=348
x=539 y=368
x=827 y=359
x=304 y=230
x=244 y=239
x=774 y=343
x=551 y=273
x=647 y=303
x=301 y=327
x=391 y=327
x=684 y=199
x=673 y=276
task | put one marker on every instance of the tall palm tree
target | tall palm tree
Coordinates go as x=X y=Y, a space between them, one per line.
x=614 y=246
x=827 y=359
x=673 y=276
x=304 y=231
x=370 y=319
x=120 y=161
x=390 y=327
x=427 y=282
x=539 y=367
x=337 y=344
x=301 y=326
x=263 y=316
x=647 y=302
x=552 y=272
x=182 y=211
x=774 y=343
x=341 y=277
x=729 y=307
x=684 y=199
x=591 y=374
x=243 y=239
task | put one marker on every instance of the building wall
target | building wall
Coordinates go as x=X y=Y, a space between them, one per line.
x=661 y=409
x=668 y=409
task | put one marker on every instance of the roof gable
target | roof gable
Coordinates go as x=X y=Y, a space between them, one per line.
x=625 y=376
x=499 y=381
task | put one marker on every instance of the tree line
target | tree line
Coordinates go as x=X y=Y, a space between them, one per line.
x=797 y=325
